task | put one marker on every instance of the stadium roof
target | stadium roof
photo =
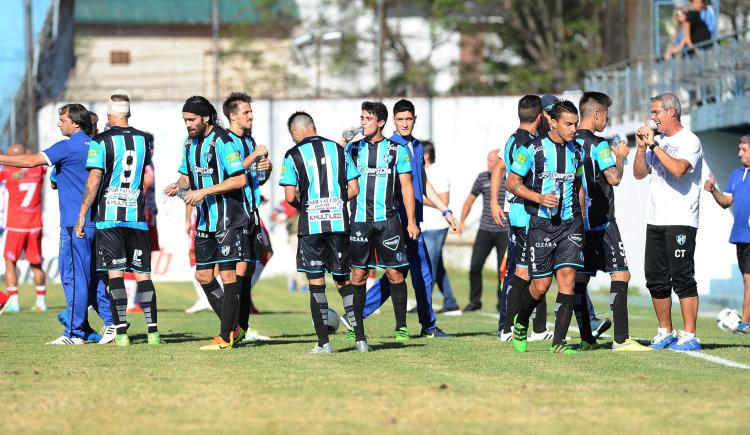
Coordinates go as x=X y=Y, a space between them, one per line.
x=182 y=12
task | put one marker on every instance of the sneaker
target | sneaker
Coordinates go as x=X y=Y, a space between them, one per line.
x=563 y=349
x=92 y=337
x=541 y=336
x=451 y=311
x=154 y=338
x=326 y=348
x=435 y=333
x=350 y=335
x=402 y=334
x=663 y=339
x=12 y=306
x=63 y=340
x=520 y=344
x=108 y=333
x=135 y=309
x=629 y=345
x=686 y=343
x=198 y=306
x=122 y=340
x=362 y=346
x=217 y=343
x=599 y=327
x=40 y=307
x=345 y=322
x=252 y=335
x=742 y=328
x=471 y=306
x=585 y=345
x=505 y=336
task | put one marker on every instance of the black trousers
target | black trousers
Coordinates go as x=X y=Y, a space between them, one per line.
x=669 y=260
x=483 y=245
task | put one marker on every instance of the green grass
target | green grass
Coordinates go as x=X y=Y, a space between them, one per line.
x=469 y=384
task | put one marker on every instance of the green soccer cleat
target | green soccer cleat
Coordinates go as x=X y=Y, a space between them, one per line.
x=563 y=348
x=350 y=335
x=402 y=334
x=520 y=342
x=585 y=345
x=122 y=340
x=154 y=338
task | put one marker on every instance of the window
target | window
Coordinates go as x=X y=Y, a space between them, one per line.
x=119 y=57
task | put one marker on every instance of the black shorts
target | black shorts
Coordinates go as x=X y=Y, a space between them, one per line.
x=519 y=240
x=123 y=248
x=223 y=247
x=551 y=246
x=604 y=250
x=743 y=257
x=254 y=240
x=378 y=244
x=321 y=253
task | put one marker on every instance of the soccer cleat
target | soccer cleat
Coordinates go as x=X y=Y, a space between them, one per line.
x=217 y=343
x=585 y=345
x=92 y=337
x=108 y=333
x=504 y=336
x=471 y=306
x=12 y=306
x=122 y=340
x=402 y=334
x=238 y=335
x=629 y=345
x=326 y=348
x=562 y=349
x=520 y=343
x=252 y=335
x=541 y=336
x=685 y=343
x=154 y=338
x=345 y=322
x=663 y=339
x=63 y=340
x=742 y=328
x=435 y=333
x=362 y=346
x=599 y=327
x=40 y=307
x=350 y=335
x=135 y=309
x=200 y=305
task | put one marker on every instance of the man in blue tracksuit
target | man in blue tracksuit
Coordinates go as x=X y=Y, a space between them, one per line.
x=416 y=250
x=69 y=158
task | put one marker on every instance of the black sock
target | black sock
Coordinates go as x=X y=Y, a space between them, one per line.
x=581 y=308
x=229 y=307
x=118 y=301
x=528 y=303
x=516 y=289
x=360 y=295
x=319 y=312
x=540 y=315
x=215 y=295
x=398 y=296
x=563 y=312
x=147 y=301
x=618 y=302
x=347 y=297
x=243 y=317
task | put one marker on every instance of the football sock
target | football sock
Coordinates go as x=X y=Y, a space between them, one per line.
x=564 y=313
x=41 y=293
x=243 y=318
x=540 y=315
x=118 y=300
x=12 y=291
x=618 y=302
x=359 y=292
x=528 y=303
x=319 y=312
x=147 y=300
x=398 y=296
x=215 y=294
x=581 y=309
x=516 y=289
x=229 y=307
x=347 y=297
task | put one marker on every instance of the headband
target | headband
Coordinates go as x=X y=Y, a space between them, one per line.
x=199 y=109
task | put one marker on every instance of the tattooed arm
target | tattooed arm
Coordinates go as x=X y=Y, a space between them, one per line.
x=90 y=191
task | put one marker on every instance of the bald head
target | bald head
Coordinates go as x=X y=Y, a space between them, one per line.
x=16 y=149
x=492 y=159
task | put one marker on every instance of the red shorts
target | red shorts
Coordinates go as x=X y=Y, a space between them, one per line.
x=19 y=241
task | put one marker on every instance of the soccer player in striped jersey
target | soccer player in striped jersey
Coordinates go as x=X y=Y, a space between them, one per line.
x=319 y=178
x=547 y=173
x=377 y=235
x=212 y=171
x=116 y=162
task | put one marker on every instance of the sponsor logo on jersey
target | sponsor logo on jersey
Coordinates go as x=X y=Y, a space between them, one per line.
x=374 y=171
x=557 y=176
x=93 y=152
x=577 y=239
x=519 y=157
x=225 y=250
x=358 y=237
x=546 y=243
x=233 y=157
x=199 y=170
x=392 y=243
x=681 y=239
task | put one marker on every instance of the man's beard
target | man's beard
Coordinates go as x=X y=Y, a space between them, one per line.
x=199 y=131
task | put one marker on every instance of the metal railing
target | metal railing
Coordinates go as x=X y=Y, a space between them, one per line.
x=713 y=71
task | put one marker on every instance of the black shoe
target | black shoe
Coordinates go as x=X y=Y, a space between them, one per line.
x=471 y=306
x=445 y=309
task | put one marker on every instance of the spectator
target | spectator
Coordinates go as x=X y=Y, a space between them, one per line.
x=694 y=29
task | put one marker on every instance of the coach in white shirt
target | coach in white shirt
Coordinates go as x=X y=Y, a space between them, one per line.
x=674 y=160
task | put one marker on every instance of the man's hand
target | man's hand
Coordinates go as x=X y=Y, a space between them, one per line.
x=549 y=200
x=452 y=222
x=193 y=197
x=261 y=150
x=264 y=165
x=710 y=184
x=644 y=136
x=79 y=227
x=621 y=150
x=498 y=215
x=413 y=230
x=171 y=189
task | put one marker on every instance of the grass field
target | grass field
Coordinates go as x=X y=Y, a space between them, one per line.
x=469 y=384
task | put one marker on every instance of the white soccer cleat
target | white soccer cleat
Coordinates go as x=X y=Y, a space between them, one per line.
x=108 y=334
x=541 y=336
x=252 y=336
x=63 y=340
x=198 y=306
x=503 y=336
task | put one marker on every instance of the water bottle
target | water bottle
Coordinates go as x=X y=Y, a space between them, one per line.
x=555 y=191
x=182 y=193
x=616 y=139
x=261 y=174
x=351 y=132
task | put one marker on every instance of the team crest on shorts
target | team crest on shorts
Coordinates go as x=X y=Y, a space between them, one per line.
x=681 y=239
x=225 y=250
x=392 y=243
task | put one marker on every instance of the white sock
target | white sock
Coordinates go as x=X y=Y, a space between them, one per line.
x=41 y=293
x=131 y=287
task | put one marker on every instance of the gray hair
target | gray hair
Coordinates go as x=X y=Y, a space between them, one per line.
x=745 y=139
x=669 y=101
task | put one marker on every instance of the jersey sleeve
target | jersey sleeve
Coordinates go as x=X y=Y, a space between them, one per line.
x=183 y=169
x=522 y=161
x=53 y=175
x=56 y=153
x=603 y=155
x=229 y=157
x=95 y=159
x=691 y=152
x=289 y=174
x=476 y=188
x=403 y=162
x=440 y=181
x=351 y=169
x=732 y=183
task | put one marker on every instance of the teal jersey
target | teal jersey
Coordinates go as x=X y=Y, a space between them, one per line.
x=517 y=214
x=600 y=196
x=245 y=147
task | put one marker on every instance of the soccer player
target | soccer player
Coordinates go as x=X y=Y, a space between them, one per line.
x=418 y=260
x=737 y=194
x=674 y=160
x=24 y=227
x=546 y=173
x=603 y=248
x=212 y=171
x=69 y=158
x=117 y=160
x=319 y=178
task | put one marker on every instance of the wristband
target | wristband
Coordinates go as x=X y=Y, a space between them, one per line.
x=651 y=146
x=446 y=211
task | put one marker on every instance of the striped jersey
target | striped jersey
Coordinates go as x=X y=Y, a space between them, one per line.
x=482 y=187
x=320 y=169
x=517 y=214
x=251 y=191
x=122 y=154
x=549 y=167
x=379 y=164
x=208 y=161
x=600 y=196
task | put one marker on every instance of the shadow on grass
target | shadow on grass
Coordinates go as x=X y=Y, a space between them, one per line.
x=173 y=338
x=271 y=342
x=712 y=346
x=470 y=334
x=384 y=346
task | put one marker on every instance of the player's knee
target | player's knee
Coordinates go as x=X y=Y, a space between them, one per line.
x=204 y=276
x=687 y=291
x=395 y=276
